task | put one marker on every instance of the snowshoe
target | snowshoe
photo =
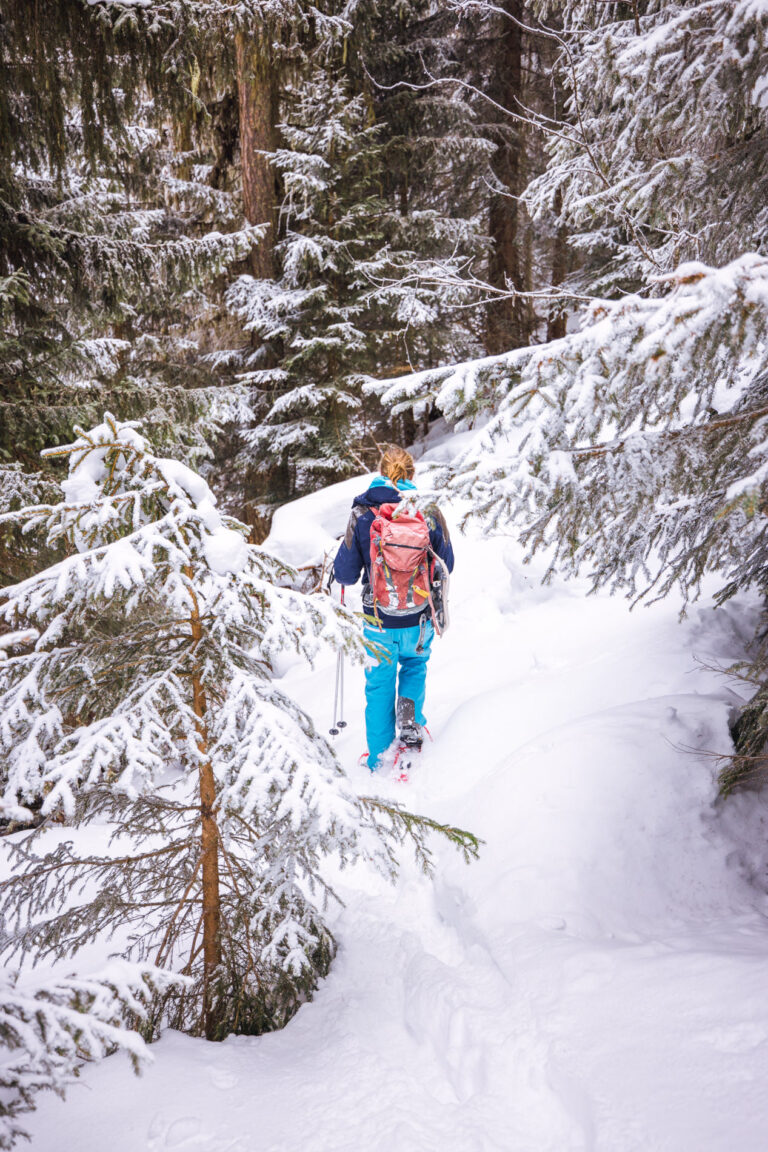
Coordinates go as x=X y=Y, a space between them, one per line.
x=405 y=758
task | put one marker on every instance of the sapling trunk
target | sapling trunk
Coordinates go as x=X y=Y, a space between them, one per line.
x=209 y=837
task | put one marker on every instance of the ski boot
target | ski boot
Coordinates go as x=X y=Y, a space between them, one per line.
x=410 y=736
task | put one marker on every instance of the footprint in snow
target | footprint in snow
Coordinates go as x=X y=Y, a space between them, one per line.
x=189 y=1134
x=164 y=1133
x=223 y=1078
x=736 y=1038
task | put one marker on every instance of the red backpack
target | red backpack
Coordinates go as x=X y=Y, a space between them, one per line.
x=401 y=568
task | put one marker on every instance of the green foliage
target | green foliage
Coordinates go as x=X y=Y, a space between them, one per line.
x=407 y=828
x=21 y=551
x=112 y=244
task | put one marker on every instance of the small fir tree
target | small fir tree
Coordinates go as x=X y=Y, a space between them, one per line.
x=148 y=702
x=345 y=304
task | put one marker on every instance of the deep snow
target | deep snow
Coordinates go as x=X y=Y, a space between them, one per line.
x=597 y=981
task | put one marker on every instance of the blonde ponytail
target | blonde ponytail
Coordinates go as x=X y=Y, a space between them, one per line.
x=396 y=464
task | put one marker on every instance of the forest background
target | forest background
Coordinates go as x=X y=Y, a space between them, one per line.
x=222 y=219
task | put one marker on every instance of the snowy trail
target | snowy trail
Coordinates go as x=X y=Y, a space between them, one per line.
x=597 y=981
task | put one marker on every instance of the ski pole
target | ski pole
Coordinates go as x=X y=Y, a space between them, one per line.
x=334 y=731
x=342 y=721
x=338 y=695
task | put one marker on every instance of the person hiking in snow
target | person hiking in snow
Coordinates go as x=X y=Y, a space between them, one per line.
x=397 y=598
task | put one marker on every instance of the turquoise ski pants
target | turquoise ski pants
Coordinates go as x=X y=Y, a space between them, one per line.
x=382 y=686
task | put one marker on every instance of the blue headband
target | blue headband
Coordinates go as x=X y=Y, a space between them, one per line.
x=385 y=482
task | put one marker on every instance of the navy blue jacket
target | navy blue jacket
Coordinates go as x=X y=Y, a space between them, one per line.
x=354 y=554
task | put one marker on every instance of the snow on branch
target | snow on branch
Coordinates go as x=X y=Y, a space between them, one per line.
x=51 y=1026
x=623 y=445
x=149 y=545
x=661 y=154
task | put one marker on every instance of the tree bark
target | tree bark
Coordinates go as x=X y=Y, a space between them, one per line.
x=209 y=838
x=510 y=321
x=556 y=322
x=257 y=99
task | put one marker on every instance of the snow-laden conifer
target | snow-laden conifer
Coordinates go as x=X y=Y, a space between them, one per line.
x=109 y=261
x=346 y=302
x=661 y=155
x=635 y=447
x=147 y=702
x=121 y=217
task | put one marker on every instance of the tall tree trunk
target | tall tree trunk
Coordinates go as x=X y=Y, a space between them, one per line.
x=209 y=843
x=257 y=91
x=257 y=97
x=509 y=321
x=182 y=133
x=556 y=322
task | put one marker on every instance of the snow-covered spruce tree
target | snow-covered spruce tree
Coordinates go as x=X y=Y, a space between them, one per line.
x=506 y=68
x=50 y=1027
x=147 y=702
x=635 y=447
x=358 y=214
x=342 y=307
x=625 y=444
x=662 y=156
x=20 y=552
x=103 y=274
x=311 y=314
x=435 y=165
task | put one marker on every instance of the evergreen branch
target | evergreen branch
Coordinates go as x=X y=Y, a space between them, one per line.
x=181 y=903
x=670 y=434
x=409 y=825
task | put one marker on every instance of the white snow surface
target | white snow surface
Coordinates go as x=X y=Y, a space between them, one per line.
x=597 y=981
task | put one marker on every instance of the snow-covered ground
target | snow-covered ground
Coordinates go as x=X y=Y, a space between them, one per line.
x=597 y=981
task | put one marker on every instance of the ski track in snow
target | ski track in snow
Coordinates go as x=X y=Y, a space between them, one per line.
x=597 y=981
